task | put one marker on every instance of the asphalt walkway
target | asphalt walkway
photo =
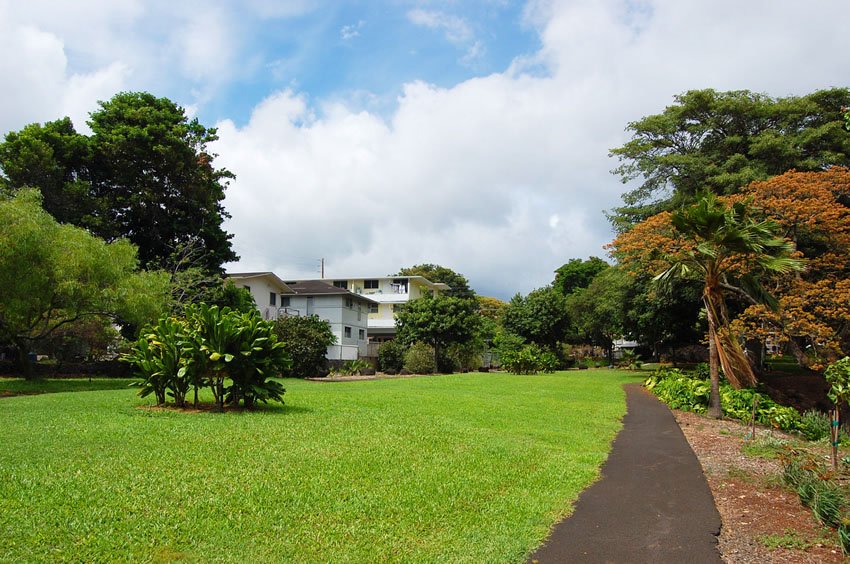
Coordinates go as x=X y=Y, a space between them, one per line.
x=652 y=503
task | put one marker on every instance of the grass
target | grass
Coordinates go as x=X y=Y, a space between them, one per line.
x=462 y=468
x=18 y=386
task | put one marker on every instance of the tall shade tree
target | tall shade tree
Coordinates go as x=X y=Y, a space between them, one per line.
x=435 y=273
x=722 y=141
x=145 y=174
x=53 y=275
x=577 y=274
x=540 y=317
x=439 y=321
x=598 y=313
x=727 y=247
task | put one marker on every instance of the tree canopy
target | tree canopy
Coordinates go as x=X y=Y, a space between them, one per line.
x=578 y=273
x=540 y=317
x=598 y=313
x=53 y=275
x=144 y=174
x=722 y=141
x=435 y=273
x=438 y=320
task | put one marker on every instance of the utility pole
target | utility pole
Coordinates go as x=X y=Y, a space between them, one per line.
x=322 y=267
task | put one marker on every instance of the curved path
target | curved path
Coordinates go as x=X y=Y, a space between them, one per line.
x=652 y=503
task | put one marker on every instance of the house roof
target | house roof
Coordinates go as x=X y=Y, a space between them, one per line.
x=242 y=276
x=322 y=288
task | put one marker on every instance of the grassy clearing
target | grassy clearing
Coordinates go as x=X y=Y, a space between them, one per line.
x=452 y=468
x=18 y=386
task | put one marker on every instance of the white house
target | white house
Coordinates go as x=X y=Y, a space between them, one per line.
x=387 y=293
x=347 y=313
x=266 y=289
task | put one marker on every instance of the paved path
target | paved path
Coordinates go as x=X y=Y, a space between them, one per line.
x=652 y=503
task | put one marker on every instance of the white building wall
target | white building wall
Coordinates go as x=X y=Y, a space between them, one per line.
x=260 y=289
x=333 y=309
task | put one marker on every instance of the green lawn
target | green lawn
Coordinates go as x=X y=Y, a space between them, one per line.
x=455 y=468
x=17 y=386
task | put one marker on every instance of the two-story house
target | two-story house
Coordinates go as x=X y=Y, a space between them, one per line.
x=388 y=293
x=347 y=313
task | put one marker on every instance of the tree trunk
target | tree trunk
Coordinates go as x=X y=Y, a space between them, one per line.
x=23 y=366
x=714 y=410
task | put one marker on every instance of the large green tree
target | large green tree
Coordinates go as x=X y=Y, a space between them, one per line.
x=53 y=275
x=598 y=313
x=577 y=273
x=439 y=321
x=540 y=317
x=144 y=174
x=722 y=141
x=435 y=273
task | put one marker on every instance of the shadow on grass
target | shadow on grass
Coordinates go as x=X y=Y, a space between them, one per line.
x=212 y=409
x=19 y=387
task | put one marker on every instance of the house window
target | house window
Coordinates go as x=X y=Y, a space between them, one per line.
x=362 y=334
x=246 y=287
x=347 y=332
x=272 y=298
x=370 y=284
x=349 y=303
x=341 y=284
x=373 y=308
x=285 y=301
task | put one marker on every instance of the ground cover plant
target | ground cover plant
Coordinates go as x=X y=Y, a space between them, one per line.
x=473 y=467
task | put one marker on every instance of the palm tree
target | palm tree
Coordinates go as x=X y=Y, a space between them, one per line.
x=729 y=249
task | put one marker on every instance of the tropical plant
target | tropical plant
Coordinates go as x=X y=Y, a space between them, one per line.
x=528 y=359
x=727 y=248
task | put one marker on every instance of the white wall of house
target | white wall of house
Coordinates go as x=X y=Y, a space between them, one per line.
x=261 y=289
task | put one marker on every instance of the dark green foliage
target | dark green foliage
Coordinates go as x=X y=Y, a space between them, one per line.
x=145 y=174
x=528 y=359
x=577 y=274
x=540 y=317
x=439 y=321
x=435 y=273
x=804 y=473
x=722 y=141
x=419 y=359
x=391 y=355
x=838 y=376
x=597 y=313
x=306 y=341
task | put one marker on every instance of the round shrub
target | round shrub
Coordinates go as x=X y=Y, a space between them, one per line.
x=391 y=356
x=419 y=359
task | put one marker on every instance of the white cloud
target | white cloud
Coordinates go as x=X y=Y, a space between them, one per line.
x=454 y=28
x=349 y=32
x=505 y=177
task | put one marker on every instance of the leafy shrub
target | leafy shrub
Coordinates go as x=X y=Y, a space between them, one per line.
x=354 y=367
x=702 y=371
x=306 y=341
x=464 y=356
x=391 y=355
x=208 y=346
x=689 y=392
x=815 y=425
x=529 y=359
x=419 y=359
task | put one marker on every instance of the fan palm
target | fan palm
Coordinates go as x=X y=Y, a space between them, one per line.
x=729 y=249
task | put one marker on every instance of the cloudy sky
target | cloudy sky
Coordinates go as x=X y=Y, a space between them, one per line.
x=378 y=134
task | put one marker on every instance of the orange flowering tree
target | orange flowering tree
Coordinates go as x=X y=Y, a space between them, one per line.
x=809 y=311
x=813 y=314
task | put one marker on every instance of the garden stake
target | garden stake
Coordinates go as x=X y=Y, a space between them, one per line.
x=834 y=434
x=753 y=421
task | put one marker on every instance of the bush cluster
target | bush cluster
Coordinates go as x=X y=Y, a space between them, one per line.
x=689 y=392
x=419 y=359
x=207 y=348
x=306 y=341
x=391 y=355
x=528 y=359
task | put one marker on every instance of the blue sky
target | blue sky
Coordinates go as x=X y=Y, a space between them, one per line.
x=383 y=134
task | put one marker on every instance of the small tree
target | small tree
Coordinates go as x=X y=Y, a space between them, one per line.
x=438 y=321
x=305 y=340
x=391 y=355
